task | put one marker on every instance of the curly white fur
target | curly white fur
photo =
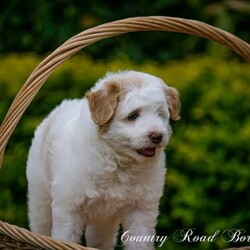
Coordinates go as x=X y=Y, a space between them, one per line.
x=98 y=162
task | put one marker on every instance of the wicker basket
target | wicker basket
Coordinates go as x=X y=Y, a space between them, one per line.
x=13 y=237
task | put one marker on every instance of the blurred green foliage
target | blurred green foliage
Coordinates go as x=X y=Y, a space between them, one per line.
x=208 y=180
x=41 y=26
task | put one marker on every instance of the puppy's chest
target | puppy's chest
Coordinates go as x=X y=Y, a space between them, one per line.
x=111 y=198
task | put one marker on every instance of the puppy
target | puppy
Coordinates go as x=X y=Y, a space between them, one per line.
x=99 y=162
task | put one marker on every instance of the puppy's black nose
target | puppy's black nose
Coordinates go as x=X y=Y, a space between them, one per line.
x=155 y=137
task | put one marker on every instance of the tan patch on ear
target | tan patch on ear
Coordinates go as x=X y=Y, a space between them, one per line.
x=174 y=103
x=102 y=103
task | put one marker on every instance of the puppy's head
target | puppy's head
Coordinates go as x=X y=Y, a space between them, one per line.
x=132 y=110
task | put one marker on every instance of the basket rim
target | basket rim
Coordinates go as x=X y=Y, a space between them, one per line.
x=24 y=236
x=41 y=73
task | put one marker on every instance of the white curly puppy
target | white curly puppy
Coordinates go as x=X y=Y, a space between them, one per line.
x=99 y=162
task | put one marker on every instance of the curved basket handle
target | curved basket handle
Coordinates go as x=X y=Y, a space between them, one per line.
x=87 y=37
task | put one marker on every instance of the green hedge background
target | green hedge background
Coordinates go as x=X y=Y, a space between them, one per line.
x=208 y=180
x=41 y=26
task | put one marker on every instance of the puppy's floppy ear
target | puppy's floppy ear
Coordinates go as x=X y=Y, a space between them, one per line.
x=174 y=104
x=102 y=103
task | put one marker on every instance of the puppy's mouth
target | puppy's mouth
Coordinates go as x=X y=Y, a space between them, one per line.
x=147 y=152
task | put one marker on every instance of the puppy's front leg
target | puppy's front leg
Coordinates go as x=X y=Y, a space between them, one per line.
x=101 y=234
x=139 y=227
x=67 y=224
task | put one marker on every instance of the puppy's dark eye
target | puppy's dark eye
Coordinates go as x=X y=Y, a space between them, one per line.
x=133 y=116
x=162 y=113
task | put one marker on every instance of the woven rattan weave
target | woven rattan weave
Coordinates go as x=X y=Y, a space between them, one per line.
x=12 y=237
